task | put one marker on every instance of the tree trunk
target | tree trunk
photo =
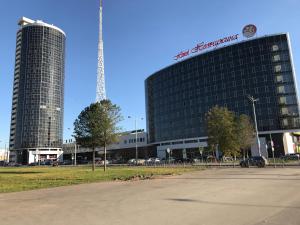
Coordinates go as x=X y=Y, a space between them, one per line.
x=93 y=164
x=104 y=157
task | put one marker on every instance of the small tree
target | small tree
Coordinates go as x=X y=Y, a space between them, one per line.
x=244 y=132
x=221 y=130
x=96 y=126
x=232 y=133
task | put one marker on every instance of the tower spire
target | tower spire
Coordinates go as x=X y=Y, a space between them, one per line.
x=100 y=91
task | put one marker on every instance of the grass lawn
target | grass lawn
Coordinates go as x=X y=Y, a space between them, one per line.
x=28 y=178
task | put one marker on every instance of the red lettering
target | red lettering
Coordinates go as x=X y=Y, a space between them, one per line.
x=201 y=46
x=186 y=53
x=195 y=49
x=182 y=54
x=177 y=57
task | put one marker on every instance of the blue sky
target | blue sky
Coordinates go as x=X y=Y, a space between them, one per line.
x=140 y=37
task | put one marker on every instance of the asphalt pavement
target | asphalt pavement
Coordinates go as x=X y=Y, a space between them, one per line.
x=219 y=196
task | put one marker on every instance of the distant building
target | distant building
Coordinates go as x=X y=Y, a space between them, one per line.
x=3 y=154
x=124 y=149
x=179 y=96
x=38 y=93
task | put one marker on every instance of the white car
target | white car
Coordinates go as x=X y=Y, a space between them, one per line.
x=155 y=160
x=152 y=160
x=102 y=162
x=131 y=161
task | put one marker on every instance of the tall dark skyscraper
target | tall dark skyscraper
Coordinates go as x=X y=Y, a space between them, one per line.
x=38 y=93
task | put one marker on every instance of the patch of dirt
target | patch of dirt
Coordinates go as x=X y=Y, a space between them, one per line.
x=142 y=177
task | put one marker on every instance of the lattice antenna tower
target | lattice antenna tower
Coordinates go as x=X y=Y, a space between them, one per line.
x=100 y=92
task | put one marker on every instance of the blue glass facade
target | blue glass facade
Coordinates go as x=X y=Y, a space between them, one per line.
x=179 y=96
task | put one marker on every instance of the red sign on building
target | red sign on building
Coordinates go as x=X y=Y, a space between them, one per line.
x=202 y=46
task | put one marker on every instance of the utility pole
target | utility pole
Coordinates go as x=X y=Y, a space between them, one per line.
x=136 y=147
x=253 y=100
x=272 y=148
x=75 y=151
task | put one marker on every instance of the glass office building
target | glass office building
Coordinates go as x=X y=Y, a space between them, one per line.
x=38 y=93
x=179 y=96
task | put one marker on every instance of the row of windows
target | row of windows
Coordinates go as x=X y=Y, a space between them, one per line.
x=41 y=72
x=179 y=96
x=134 y=140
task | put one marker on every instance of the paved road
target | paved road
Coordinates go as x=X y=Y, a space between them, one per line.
x=229 y=196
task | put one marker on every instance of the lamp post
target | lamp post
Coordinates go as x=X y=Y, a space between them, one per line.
x=75 y=154
x=6 y=153
x=253 y=100
x=136 y=147
x=75 y=150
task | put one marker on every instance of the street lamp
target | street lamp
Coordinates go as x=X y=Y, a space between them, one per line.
x=75 y=151
x=253 y=100
x=136 y=147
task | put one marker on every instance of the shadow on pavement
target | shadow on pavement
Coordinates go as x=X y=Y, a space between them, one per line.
x=231 y=204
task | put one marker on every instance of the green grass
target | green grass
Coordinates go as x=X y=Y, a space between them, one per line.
x=29 y=178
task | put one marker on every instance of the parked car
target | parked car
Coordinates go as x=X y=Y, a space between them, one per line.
x=152 y=161
x=155 y=160
x=14 y=164
x=183 y=160
x=197 y=160
x=141 y=162
x=259 y=161
x=102 y=162
x=48 y=162
x=67 y=162
x=227 y=159
x=168 y=160
x=3 y=163
x=117 y=161
x=131 y=162
x=82 y=161
x=291 y=156
x=138 y=162
x=211 y=158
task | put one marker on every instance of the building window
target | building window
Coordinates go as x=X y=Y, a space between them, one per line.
x=282 y=100
x=275 y=48
x=277 y=68
x=276 y=58
x=279 y=78
x=280 y=89
x=285 y=122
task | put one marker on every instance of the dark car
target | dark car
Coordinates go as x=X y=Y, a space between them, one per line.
x=3 y=163
x=168 y=160
x=259 y=161
x=291 y=156
x=48 y=162
x=80 y=161
x=67 y=162
x=183 y=160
